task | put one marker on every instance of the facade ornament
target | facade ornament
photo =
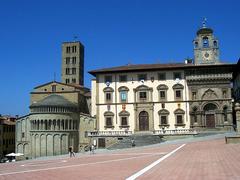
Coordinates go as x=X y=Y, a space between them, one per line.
x=204 y=22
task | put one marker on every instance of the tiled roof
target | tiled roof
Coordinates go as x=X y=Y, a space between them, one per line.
x=152 y=67
x=8 y=120
x=53 y=100
x=78 y=86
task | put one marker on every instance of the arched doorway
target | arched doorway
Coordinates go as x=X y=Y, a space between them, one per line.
x=209 y=111
x=143 y=121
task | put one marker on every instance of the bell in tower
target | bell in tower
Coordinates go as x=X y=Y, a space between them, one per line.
x=206 y=50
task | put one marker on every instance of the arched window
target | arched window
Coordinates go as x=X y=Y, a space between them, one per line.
x=54 y=124
x=225 y=113
x=205 y=42
x=62 y=124
x=45 y=125
x=195 y=114
x=196 y=44
x=215 y=44
x=210 y=107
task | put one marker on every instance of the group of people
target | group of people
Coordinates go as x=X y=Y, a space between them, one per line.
x=72 y=153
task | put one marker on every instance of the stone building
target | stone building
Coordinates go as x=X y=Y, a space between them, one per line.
x=209 y=83
x=165 y=98
x=236 y=82
x=7 y=135
x=72 y=63
x=59 y=114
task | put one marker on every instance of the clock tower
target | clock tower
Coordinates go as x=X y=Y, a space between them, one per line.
x=206 y=50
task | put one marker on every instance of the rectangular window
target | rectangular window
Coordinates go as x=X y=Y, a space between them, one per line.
x=123 y=96
x=73 y=60
x=123 y=78
x=143 y=95
x=108 y=96
x=124 y=121
x=67 y=81
x=67 y=60
x=67 y=71
x=23 y=135
x=108 y=121
x=177 y=75
x=224 y=94
x=86 y=134
x=163 y=119
x=179 y=119
x=53 y=88
x=73 y=70
x=73 y=80
x=194 y=95
x=163 y=105
x=142 y=77
x=178 y=94
x=162 y=76
x=68 y=49
x=108 y=79
x=162 y=95
x=74 y=49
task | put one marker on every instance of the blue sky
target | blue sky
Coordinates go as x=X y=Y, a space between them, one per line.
x=114 y=32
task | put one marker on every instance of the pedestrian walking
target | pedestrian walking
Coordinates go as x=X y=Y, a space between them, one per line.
x=133 y=143
x=71 y=152
x=91 y=148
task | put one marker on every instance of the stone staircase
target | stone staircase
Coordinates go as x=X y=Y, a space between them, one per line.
x=140 y=139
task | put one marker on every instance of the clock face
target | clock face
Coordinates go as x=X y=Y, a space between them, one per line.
x=206 y=56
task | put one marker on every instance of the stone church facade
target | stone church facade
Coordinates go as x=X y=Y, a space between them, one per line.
x=59 y=113
x=165 y=98
x=236 y=82
x=209 y=83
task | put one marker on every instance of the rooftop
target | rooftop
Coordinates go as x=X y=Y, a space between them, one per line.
x=54 y=100
x=153 y=67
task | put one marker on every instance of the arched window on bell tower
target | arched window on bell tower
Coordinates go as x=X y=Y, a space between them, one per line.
x=205 y=42
x=196 y=45
x=215 y=44
x=206 y=47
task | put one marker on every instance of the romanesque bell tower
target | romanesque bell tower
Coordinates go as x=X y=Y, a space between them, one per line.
x=206 y=49
x=73 y=63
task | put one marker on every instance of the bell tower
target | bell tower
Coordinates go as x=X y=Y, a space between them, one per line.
x=206 y=49
x=73 y=63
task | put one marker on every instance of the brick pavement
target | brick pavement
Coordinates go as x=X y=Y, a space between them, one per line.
x=208 y=159
x=211 y=159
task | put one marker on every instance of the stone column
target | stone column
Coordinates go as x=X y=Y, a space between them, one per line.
x=237 y=109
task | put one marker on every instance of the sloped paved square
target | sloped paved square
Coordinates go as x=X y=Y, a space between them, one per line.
x=208 y=159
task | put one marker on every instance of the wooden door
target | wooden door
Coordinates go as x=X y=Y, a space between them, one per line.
x=210 y=120
x=101 y=143
x=143 y=121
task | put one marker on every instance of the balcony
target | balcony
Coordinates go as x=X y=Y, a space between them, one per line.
x=109 y=133
x=175 y=132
